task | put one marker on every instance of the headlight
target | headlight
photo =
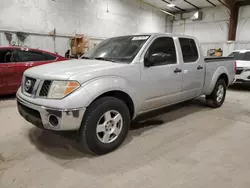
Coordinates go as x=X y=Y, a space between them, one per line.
x=60 y=89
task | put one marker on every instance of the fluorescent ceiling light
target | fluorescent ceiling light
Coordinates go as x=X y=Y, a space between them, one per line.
x=162 y=10
x=171 y=5
x=166 y=12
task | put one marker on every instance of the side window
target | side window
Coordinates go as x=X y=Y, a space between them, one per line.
x=49 y=57
x=162 y=52
x=8 y=56
x=189 y=50
x=5 y=56
x=26 y=56
x=247 y=56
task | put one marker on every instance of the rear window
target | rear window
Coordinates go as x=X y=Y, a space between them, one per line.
x=240 y=56
x=49 y=57
x=189 y=50
x=26 y=56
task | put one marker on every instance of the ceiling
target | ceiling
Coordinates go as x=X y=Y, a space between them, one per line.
x=185 y=5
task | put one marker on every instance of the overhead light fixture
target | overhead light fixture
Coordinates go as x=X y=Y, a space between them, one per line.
x=166 y=12
x=171 y=5
x=162 y=10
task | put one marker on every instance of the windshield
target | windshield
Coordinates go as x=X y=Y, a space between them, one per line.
x=243 y=56
x=119 y=49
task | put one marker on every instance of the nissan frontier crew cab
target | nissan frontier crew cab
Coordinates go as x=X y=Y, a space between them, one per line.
x=119 y=79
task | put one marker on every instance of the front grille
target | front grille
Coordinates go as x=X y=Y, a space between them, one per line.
x=28 y=85
x=45 y=88
x=239 y=71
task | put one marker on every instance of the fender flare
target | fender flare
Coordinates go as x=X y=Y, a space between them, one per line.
x=220 y=71
x=102 y=85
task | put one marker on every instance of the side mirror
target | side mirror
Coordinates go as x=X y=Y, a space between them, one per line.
x=159 y=57
x=156 y=58
x=147 y=62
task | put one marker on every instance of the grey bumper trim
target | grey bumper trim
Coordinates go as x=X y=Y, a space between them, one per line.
x=68 y=119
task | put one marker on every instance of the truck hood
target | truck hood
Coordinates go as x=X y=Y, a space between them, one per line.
x=243 y=64
x=66 y=69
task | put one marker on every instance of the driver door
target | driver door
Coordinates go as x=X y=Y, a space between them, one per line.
x=162 y=79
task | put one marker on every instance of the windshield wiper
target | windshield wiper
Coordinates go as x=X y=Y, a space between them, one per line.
x=104 y=59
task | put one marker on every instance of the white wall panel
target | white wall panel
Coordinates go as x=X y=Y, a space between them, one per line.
x=100 y=18
x=212 y=28
x=243 y=24
x=95 y=18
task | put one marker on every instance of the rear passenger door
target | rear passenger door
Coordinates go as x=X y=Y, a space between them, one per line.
x=193 y=69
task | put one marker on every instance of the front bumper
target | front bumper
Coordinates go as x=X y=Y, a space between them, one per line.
x=40 y=116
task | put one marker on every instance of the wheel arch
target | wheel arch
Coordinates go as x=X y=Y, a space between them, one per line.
x=220 y=73
x=224 y=77
x=123 y=96
x=115 y=87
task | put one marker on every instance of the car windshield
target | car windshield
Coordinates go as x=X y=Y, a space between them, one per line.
x=242 y=56
x=118 y=50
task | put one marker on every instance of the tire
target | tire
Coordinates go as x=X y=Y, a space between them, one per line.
x=95 y=117
x=214 y=100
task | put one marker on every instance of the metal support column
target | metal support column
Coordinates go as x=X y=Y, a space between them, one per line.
x=234 y=12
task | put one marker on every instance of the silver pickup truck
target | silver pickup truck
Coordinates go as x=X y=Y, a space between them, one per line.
x=121 y=78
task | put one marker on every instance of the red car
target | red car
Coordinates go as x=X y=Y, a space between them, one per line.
x=15 y=60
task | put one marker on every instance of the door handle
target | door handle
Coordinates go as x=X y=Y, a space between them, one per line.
x=177 y=70
x=199 y=67
x=7 y=66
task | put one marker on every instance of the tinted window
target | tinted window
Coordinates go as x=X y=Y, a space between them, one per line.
x=8 y=56
x=49 y=57
x=5 y=56
x=232 y=54
x=247 y=56
x=244 y=56
x=163 y=45
x=189 y=50
x=26 y=56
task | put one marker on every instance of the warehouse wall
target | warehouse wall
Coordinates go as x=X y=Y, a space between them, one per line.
x=96 y=18
x=243 y=36
x=212 y=30
x=243 y=24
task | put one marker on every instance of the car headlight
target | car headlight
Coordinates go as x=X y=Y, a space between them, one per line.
x=60 y=89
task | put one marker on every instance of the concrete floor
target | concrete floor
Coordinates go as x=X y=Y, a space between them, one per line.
x=188 y=145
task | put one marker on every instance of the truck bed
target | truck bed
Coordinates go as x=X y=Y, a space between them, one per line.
x=214 y=66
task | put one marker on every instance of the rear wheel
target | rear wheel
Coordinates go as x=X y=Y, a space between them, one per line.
x=105 y=125
x=217 y=97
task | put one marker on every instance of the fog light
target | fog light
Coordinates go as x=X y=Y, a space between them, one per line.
x=53 y=120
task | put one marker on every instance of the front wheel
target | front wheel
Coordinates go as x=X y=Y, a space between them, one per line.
x=217 y=97
x=105 y=125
